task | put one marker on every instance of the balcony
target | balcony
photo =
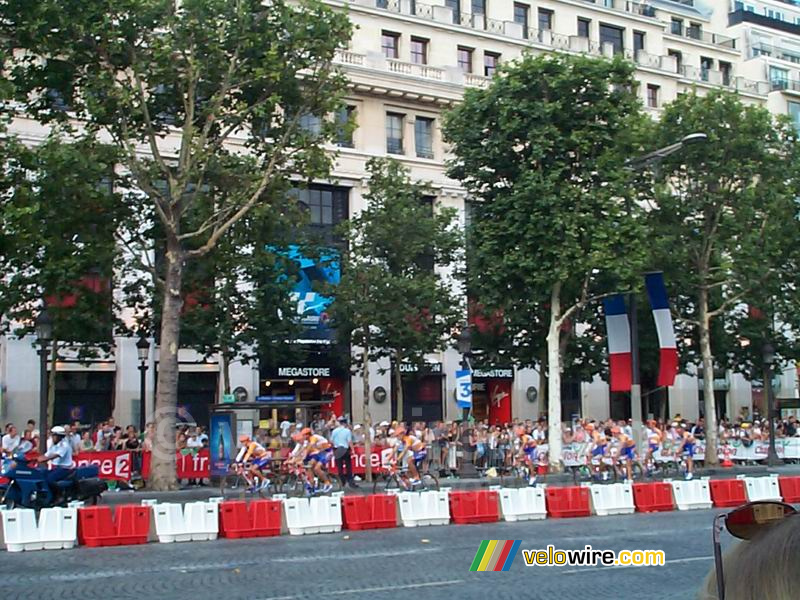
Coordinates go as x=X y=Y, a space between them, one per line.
x=694 y=33
x=761 y=49
x=745 y=16
x=784 y=85
x=635 y=8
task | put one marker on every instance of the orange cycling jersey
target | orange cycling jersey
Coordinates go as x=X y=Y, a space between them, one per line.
x=317 y=443
x=255 y=450
x=412 y=442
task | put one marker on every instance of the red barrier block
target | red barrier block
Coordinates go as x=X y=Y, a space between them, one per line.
x=474 y=507
x=653 y=497
x=378 y=511
x=790 y=489
x=569 y=501
x=728 y=492
x=260 y=518
x=98 y=527
x=266 y=517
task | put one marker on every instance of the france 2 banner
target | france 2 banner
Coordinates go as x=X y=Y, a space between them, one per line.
x=112 y=465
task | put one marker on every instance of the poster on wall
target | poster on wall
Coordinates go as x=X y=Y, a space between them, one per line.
x=222 y=445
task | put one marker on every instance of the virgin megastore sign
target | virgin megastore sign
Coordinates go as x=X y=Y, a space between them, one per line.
x=304 y=371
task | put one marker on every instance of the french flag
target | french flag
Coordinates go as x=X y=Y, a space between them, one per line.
x=657 y=293
x=619 y=343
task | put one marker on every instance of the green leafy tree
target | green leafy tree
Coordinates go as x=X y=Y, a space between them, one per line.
x=195 y=94
x=726 y=217
x=543 y=149
x=394 y=299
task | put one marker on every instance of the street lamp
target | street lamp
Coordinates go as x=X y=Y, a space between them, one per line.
x=768 y=355
x=656 y=156
x=44 y=331
x=464 y=344
x=143 y=350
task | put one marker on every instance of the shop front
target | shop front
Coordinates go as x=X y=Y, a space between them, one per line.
x=301 y=392
x=423 y=392
x=491 y=394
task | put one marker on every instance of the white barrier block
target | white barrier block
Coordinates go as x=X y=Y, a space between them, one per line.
x=298 y=516
x=763 y=488
x=691 y=495
x=419 y=509
x=170 y=524
x=20 y=530
x=58 y=528
x=149 y=502
x=202 y=520
x=320 y=514
x=612 y=499
x=522 y=504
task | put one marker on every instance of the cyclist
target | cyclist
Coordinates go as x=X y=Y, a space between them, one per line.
x=686 y=448
x=410 y=451
x=261 y=458
x=599 y=450
x=527 y=453
x=653 y=443
x=316 y=456
x=627 y=447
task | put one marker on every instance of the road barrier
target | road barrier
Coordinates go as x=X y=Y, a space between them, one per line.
x=728 y=492
x=692 y=495
x=192 y=522
x=474 y=507
x=612 y=499
x=56 y=529
x=572 y=501
x=762 y=488
x=523 y=504
x=322 y=514
x=421 y=509
x=97 y=526
x=790 y=489
x=378 y=511
x=653 y=497
x=260 y=518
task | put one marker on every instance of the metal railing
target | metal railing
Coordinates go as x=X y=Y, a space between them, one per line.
x=784 y=84
x=628 y=6
x=761 y=49
x=693 y=33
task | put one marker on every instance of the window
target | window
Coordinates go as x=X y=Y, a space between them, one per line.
x=326 y=206
x=694 y=31
x=423 y=137
x=394 y=133
x=794 y=113
x=419 y=51
x=311 y=124
x=775 y=14
x=678 y=59
x=465 y=59
x=382 y=3
x=478 y=7
x=706 y=65
x=344 y=132
x=638 y=41
x=583 y=27
x=545 y=19
x=676 y=26
x=455 y=6
x=652 y=95
x=725 y=69
x=612 y=35
x=490 y=63
x=521 y=13
x=779 y=78
x=390 y=44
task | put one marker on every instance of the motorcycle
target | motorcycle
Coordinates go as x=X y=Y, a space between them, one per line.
x=26 y=486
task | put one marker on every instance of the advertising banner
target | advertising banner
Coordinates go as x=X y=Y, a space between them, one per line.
x=222 y=442
x=464 y=388
x=112 y=465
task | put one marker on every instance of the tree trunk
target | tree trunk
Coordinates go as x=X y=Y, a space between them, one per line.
x=554 y=381
x=226 y=372
x=543 y=382
x=367 y=417
x=398 y=386
x=162 y=466
x=51 y=386
x=709 y=401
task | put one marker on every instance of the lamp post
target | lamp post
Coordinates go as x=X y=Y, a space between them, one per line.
x=143 y=350
x=768 y=355
x=464 y=344
x=44 y=332
x=653 y=158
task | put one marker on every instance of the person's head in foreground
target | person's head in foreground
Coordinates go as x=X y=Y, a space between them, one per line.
x=765 y=564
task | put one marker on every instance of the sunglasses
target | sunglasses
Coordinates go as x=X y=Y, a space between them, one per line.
x=744 y=523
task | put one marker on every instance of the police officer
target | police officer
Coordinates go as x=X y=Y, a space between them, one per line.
x=59 y=455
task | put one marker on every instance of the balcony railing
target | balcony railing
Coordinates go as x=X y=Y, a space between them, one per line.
x=761 y=49
x=784 y=85
x=693 y=33
x=634 y=8
x=414 y=69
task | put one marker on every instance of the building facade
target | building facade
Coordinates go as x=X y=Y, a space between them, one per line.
x=407 y=61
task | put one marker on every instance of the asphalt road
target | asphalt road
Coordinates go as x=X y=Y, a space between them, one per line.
x=423 y=563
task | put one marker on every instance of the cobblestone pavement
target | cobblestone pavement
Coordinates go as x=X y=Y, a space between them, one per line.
x=426 y=563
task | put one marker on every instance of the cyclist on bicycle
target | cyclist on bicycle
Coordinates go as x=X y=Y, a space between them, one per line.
x=653 y=443
x=627 y=447
x=686 y=448
x=261 y=458
x=316 y=456
x=599 y=450
x=527 y=453
x=410 y=451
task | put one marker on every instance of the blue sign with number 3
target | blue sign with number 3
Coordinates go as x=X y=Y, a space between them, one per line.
x=464 y=389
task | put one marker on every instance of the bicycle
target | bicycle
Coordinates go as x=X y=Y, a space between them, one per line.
x=237 y=481
x=394 y=479
x=298 y=483
x=518 y=476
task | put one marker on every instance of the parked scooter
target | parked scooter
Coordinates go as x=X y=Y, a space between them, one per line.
x=26 y=486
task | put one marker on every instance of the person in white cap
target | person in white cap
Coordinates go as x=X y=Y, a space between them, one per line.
x=59 y=455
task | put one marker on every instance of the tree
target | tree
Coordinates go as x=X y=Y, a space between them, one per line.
x=395 y=298
x=196 y=95
x=726 y=217
x=543 y=149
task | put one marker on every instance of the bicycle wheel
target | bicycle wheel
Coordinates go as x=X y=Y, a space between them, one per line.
x=232 y=484
x=429 y=481
x=294 y=486
x=637 y=471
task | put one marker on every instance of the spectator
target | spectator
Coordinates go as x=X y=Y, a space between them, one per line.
x=342 y=440
x=11 y=441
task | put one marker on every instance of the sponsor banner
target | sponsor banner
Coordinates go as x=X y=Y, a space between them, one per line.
x=112 y=465
x=493 y=373
x=193 y=465
x=380 y=455
x=428 y=367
